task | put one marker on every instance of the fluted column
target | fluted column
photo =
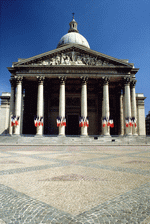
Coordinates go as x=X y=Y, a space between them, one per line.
x=84 y=80
x=127 y=104
x=133 y=106
x=12 y=104
x=62 y=103
x=18 y=103
x=121 y=115
x=40 y=103
x=105 y=105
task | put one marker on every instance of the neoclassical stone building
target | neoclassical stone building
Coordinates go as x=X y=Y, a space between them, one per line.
x=73 y=84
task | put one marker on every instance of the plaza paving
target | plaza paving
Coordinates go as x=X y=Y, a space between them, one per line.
x=74 y=184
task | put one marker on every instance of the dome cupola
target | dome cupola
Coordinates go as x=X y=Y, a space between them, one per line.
x=73 y=36
x=73 y=26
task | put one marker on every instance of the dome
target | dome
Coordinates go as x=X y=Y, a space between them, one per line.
x=73 y=38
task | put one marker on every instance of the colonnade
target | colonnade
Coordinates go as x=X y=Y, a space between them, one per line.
x=129 y=104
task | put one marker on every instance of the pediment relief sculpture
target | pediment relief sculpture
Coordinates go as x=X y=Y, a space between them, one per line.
x=73 y=58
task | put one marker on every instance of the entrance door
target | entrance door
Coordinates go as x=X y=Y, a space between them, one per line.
x=73 y=125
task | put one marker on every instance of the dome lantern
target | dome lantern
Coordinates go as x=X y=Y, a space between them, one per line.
x=73 y=36
x=73 y=26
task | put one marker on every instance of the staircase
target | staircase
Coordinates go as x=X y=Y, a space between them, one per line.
x=73 y=140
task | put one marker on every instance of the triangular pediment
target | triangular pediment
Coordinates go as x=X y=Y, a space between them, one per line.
x=72 y=54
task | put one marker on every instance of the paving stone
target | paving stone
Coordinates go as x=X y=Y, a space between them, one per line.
x=131 y=205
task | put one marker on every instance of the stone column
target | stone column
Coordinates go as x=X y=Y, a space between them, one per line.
x=18 y=103
x=105 y=109
x=84 y=103
x=40 y=102
x=127 y=104
x=12 y=104
x=133 y=105
x=62 y=103
x=22 y=112
x=121 y=115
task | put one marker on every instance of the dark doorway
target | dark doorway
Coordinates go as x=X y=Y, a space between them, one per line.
x=30 y=108
x=73 y=125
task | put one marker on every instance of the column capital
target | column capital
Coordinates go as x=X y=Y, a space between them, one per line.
x=105 y=80
x=133 y=83
x=127 y=80
x=84 y=79
x=40 y=79
x=62 y=79
x=18 y=79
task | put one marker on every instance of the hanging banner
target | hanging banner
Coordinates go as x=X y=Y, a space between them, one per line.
x=61 y=121
x=38 y=121
x=108 y=121
x=14 y=120
x=130 y=122
x=83 y=122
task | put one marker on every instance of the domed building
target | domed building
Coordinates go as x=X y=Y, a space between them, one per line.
x=73 y=36
x=73 y=90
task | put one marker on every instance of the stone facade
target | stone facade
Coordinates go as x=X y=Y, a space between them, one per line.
x=89 y=93
x=4 y=113
x=148 y=123
x=74 y=99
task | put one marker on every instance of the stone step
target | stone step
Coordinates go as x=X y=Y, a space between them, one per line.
x=72 y=140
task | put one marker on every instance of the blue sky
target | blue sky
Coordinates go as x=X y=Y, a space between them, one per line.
x=119 y=28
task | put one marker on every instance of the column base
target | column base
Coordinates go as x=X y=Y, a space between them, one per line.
x=107 y=135
x=38 y=135
x=61 y=135
x=129 y=135
x=84 y=136
x=135 y=134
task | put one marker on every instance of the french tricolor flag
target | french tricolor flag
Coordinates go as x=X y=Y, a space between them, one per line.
x=12 y=121
x=134 y=121
x=104 y=122
x=35 y=121
x=64 y=121
x=58 y=120
x=108 y=123
x=127 y=123
x=87 y=122
x=130 y=123
x=58 y=123
x=111 y=123
x=16 y=121
x=38 y=121
x=81 y=122
x=41 y=121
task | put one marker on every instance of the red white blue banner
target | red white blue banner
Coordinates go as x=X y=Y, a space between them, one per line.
x=38 y=121
x=14 y=120
x=61 y=121
x=83 y=122
x=108 y=122
x=130 y=122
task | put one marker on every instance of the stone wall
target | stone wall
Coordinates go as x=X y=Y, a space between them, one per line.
x=4 y=113
x=140 y=114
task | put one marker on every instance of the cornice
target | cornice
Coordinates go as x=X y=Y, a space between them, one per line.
x=71 y=69
x=140 y=98
x=11 y=70
x=72 y=47
x=134 y=70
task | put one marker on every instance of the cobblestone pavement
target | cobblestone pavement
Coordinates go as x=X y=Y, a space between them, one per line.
x=74 y=184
